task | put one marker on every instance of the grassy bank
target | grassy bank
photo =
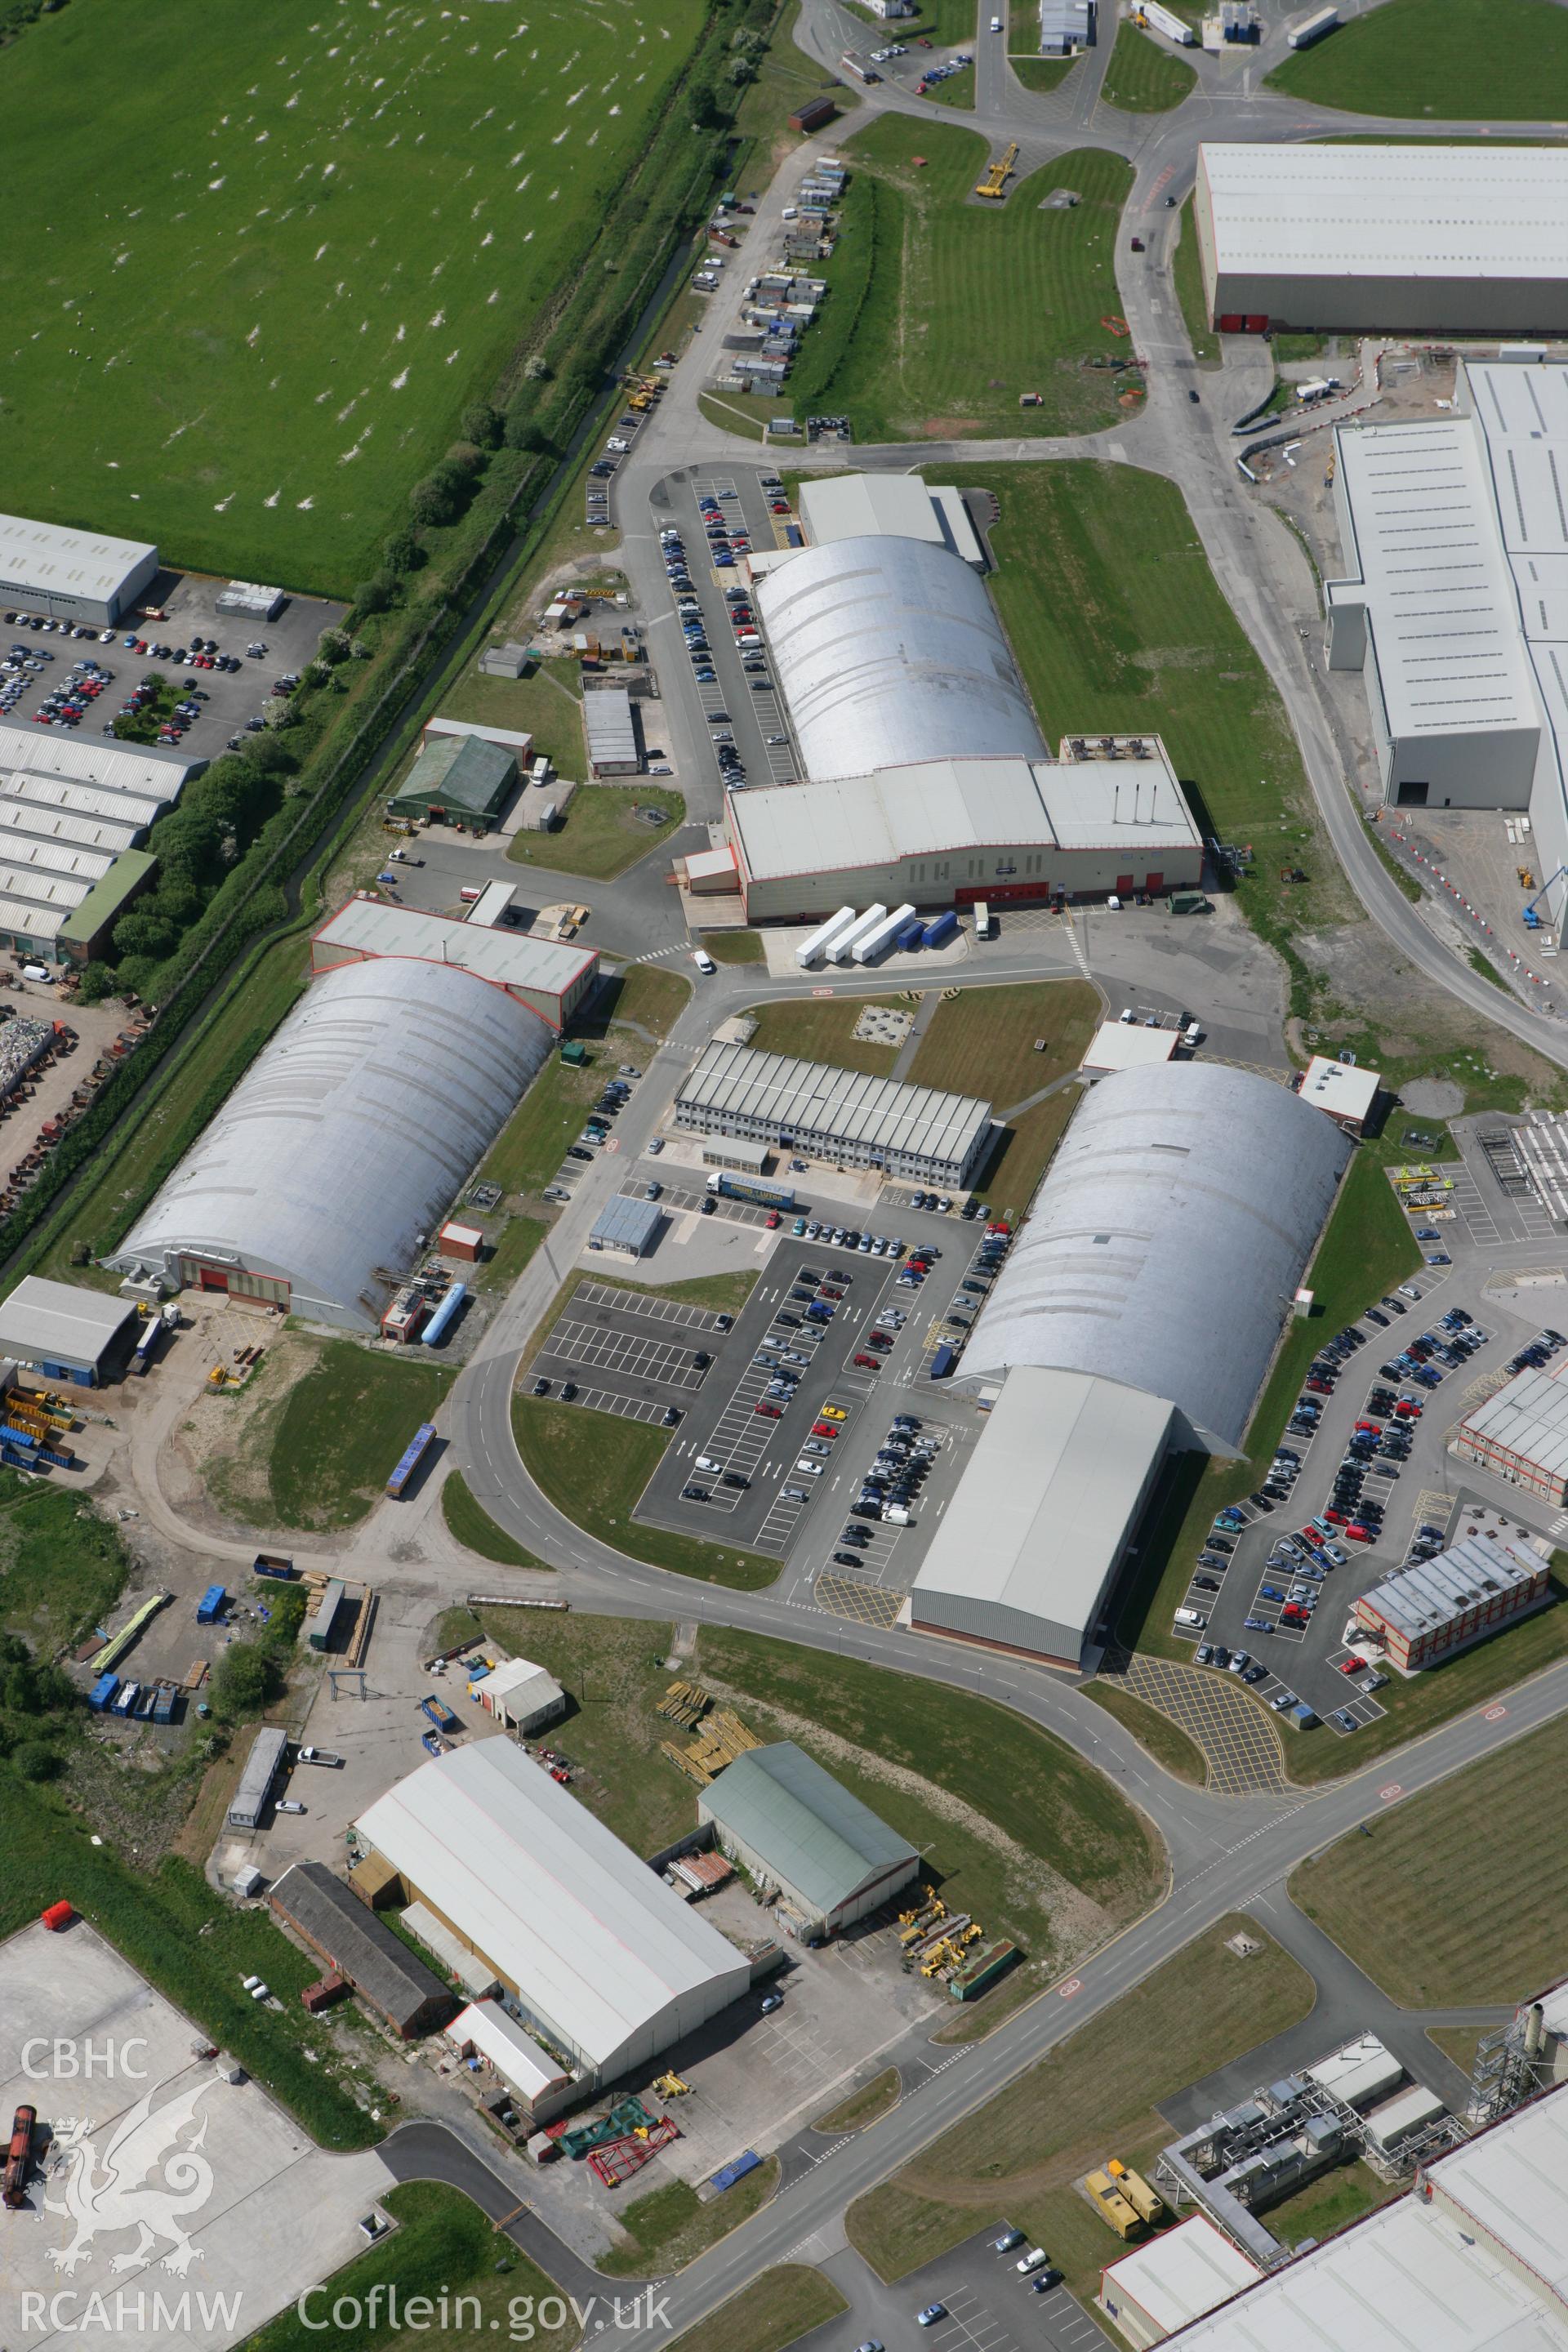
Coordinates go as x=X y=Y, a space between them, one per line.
x=948 y=310
x=1166 y=1742
x=602 y=833
x=1187 y=276
x=1143 y=77
x=863 y=2106
x=1484 y=61
x=983 y=1041
x=1095 y=2095
x=670 y=2227
x=1417 y=1903
x=595 y=1469
x=770 y=2313
x=474 y=1528
x=341 y=1430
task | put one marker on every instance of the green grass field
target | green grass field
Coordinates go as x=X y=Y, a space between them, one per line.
x=1418 y=1904
x=1118 y=626
x=341 y=1430
x=1187 y=274
x=983 y=1041
x=1166 y=1742
x=819 y=1031
x=302 y=246
x=1093 y=2096
x=595 y=1469
x=943 y=310
x=602 y=833
x=1460 y=61
x=1041 y=73
x=1144 y=75
x=474 y=1528
x=862 y=2106
x=670 y=2227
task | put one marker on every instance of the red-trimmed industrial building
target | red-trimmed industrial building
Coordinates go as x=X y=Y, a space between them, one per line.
x=1427 y=1612
x=1521 y=1435
x=548 y=976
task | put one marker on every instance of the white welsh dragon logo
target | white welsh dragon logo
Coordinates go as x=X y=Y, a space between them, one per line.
x=120 y=2194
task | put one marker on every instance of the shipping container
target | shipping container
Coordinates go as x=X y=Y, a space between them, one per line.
x=102 y=1692
x=843 y=946
x=211 y=1606
x=942 y=1362
x=275 y=1564
x=1161 y=20
x=943 y=928
x=818 y=942
x=19 y=2155
x=873 y=943
x=911 y=935
x=148 y=1344
x=751 y=1187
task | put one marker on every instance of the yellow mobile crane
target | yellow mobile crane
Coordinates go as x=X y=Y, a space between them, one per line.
x=998 y=175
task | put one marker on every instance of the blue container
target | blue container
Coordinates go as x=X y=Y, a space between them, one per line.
x=209 y=1607
x=729 y=2174
x=945 y=928
x=910 y=934
x=941 y=1363
x=102 y=1690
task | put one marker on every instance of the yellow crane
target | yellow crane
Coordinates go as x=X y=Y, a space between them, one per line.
x=998 y=175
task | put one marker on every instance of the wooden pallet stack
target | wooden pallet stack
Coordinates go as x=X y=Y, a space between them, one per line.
x=725 y=1737
x=686 y=1704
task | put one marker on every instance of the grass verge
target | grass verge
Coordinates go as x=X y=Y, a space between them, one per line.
x=1097 y=2093
x=1417 y=1903
x=341 y=1430
x=984 y=1039
x=602 y=833
x=823 y=1031
x=475 y=1529
x=444 y=2249
x=669 y=2228
x=863 y=2106
x=1041 y=73
x=1142 y=77
x=772 y=2312
x=733 y=947
x=1165 y=1741
x=1477 y=60
x=595 y=1471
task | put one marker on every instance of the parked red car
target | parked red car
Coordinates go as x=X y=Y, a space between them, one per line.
x=1352 y=1665
x=867 y=1363
x=769 y=1412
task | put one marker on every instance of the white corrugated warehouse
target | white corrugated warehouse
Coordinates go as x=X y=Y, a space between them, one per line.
x=1175 y=2277
x=344 y=1143
x=549 y=976
x=605 y=1964
x=889 y=650
x=64 y=1332
x=1164 y=1248
x=1454 y=538
x=72 y=575
x=953 y=830
x=864 y=1121
x=1421 y=238
x=1047 y=1507
x=69 y=807
x=900 y=506
x=1522 y=1433
x=1477 y=2261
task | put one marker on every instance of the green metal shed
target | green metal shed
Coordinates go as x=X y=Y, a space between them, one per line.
x=790 y=1825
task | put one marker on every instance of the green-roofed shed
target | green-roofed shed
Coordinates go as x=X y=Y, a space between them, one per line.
x=461 y=780
x=87 y=933
x=791 y=1825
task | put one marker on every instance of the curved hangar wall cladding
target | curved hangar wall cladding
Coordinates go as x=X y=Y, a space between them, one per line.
x=345 y=1141
x=1166 y=1243
x=890 y=650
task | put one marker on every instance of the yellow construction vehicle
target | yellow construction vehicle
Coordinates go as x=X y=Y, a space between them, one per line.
x=993 y=183
x=670 y=2086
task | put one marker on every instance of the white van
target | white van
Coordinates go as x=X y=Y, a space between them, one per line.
x=703 y=961
x=1192 y=1035
x=896 y=1515
x=1191 y=1617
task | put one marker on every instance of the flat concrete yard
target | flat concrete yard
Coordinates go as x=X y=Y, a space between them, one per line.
x=170 y=2182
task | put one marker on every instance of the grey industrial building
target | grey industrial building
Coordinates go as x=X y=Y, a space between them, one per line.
x=610 y=725
x=897 y=505
x=325 y=1914
x=1050 y=1501
x=627 y=1225
x=336 y=1157
x=1422 y=239
x=1454 y=548
x=550 y=976
x=1138 y=1311
x=835 y=1114
x=72 y=810
x=73 y=575
x=1519 y=1434
x=1106 y=817
x=64 y=1333
x=799 y=1831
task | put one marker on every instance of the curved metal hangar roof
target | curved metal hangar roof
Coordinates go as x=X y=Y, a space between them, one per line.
x=346 y=1139
x=1168 y=1240
x=890 y=650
